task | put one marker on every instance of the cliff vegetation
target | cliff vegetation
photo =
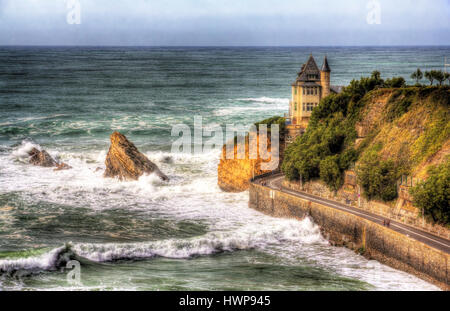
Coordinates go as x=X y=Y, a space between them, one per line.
x=383 y=130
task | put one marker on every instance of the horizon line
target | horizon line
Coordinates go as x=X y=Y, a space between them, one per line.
x=217 y=46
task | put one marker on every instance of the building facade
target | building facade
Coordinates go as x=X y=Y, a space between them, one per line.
x=308 y=89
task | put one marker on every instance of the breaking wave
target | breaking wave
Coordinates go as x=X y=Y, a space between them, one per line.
x=257 y=105
x=46 y=262
x=245 y=238
x=269 y=100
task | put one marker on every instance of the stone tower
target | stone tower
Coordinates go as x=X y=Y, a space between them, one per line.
x=325 y=74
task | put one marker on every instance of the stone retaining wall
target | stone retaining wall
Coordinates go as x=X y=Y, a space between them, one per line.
x=400 y=210
x=370 y=239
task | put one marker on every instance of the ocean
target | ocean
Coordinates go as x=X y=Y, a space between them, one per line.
x=150 y=235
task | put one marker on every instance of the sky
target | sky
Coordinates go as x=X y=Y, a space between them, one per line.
x=225 y=22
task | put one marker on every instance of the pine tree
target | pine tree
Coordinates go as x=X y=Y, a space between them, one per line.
x=417 y=75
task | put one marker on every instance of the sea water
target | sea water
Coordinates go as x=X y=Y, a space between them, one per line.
x=151 y=235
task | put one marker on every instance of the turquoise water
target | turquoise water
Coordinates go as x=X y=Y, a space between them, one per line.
x=151 y=235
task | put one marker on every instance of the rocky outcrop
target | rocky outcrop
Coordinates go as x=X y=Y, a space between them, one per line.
x=62 y=167
x=41 y=158
x=125 y=162
x=234 y=174
x=44 y=159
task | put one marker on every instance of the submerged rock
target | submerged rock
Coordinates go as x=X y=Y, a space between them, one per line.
x=167 y=160
x=125 y=162
x=44 y=159
x=62 y=166
x=41 y=158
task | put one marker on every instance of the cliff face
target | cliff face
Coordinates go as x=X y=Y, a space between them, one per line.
x=409 y=126
x=234 y=174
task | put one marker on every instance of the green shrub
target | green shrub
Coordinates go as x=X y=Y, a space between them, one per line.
x=395 y=82
x=399 y=109
x=433 y=195
x=377 y=177
x=331 y=173
x=398 y=104
x=274 y=120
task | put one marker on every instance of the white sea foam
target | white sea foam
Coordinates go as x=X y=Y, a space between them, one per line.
x=264 y=99
x=247 y=237
x=191 y=194
x=44 y=262
x=244 y=238
x=257 y=105
x=21 y=152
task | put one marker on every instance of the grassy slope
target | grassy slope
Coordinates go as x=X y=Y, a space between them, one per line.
x=413 y=129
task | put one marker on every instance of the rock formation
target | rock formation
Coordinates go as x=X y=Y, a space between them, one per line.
x=234 y=174
x=62 y=166
x=41 y=158
x=125 y=162
x=44 y=159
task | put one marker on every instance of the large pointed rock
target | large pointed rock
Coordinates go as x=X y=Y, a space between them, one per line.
x=125 y=162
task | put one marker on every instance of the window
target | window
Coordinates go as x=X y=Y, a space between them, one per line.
x=295 y=106
x=309 y=106
x=303 y=91
x=295 y=91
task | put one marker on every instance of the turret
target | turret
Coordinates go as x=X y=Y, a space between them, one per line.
x=325 y=73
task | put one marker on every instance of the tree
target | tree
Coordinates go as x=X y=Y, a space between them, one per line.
x=376 y=75
x=378 y=178
x=395 y=82
x=447 y=77
x=417 y=75
x=438 y=76
x=429 y=76
x=433 y=195
x=330 y=172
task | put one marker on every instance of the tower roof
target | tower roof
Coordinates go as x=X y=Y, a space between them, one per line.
x=309 y=68
x=325 y=66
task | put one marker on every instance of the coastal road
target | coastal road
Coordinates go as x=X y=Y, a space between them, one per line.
x=275 y=182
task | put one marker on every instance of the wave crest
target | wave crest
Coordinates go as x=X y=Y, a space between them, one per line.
x=244 y=238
